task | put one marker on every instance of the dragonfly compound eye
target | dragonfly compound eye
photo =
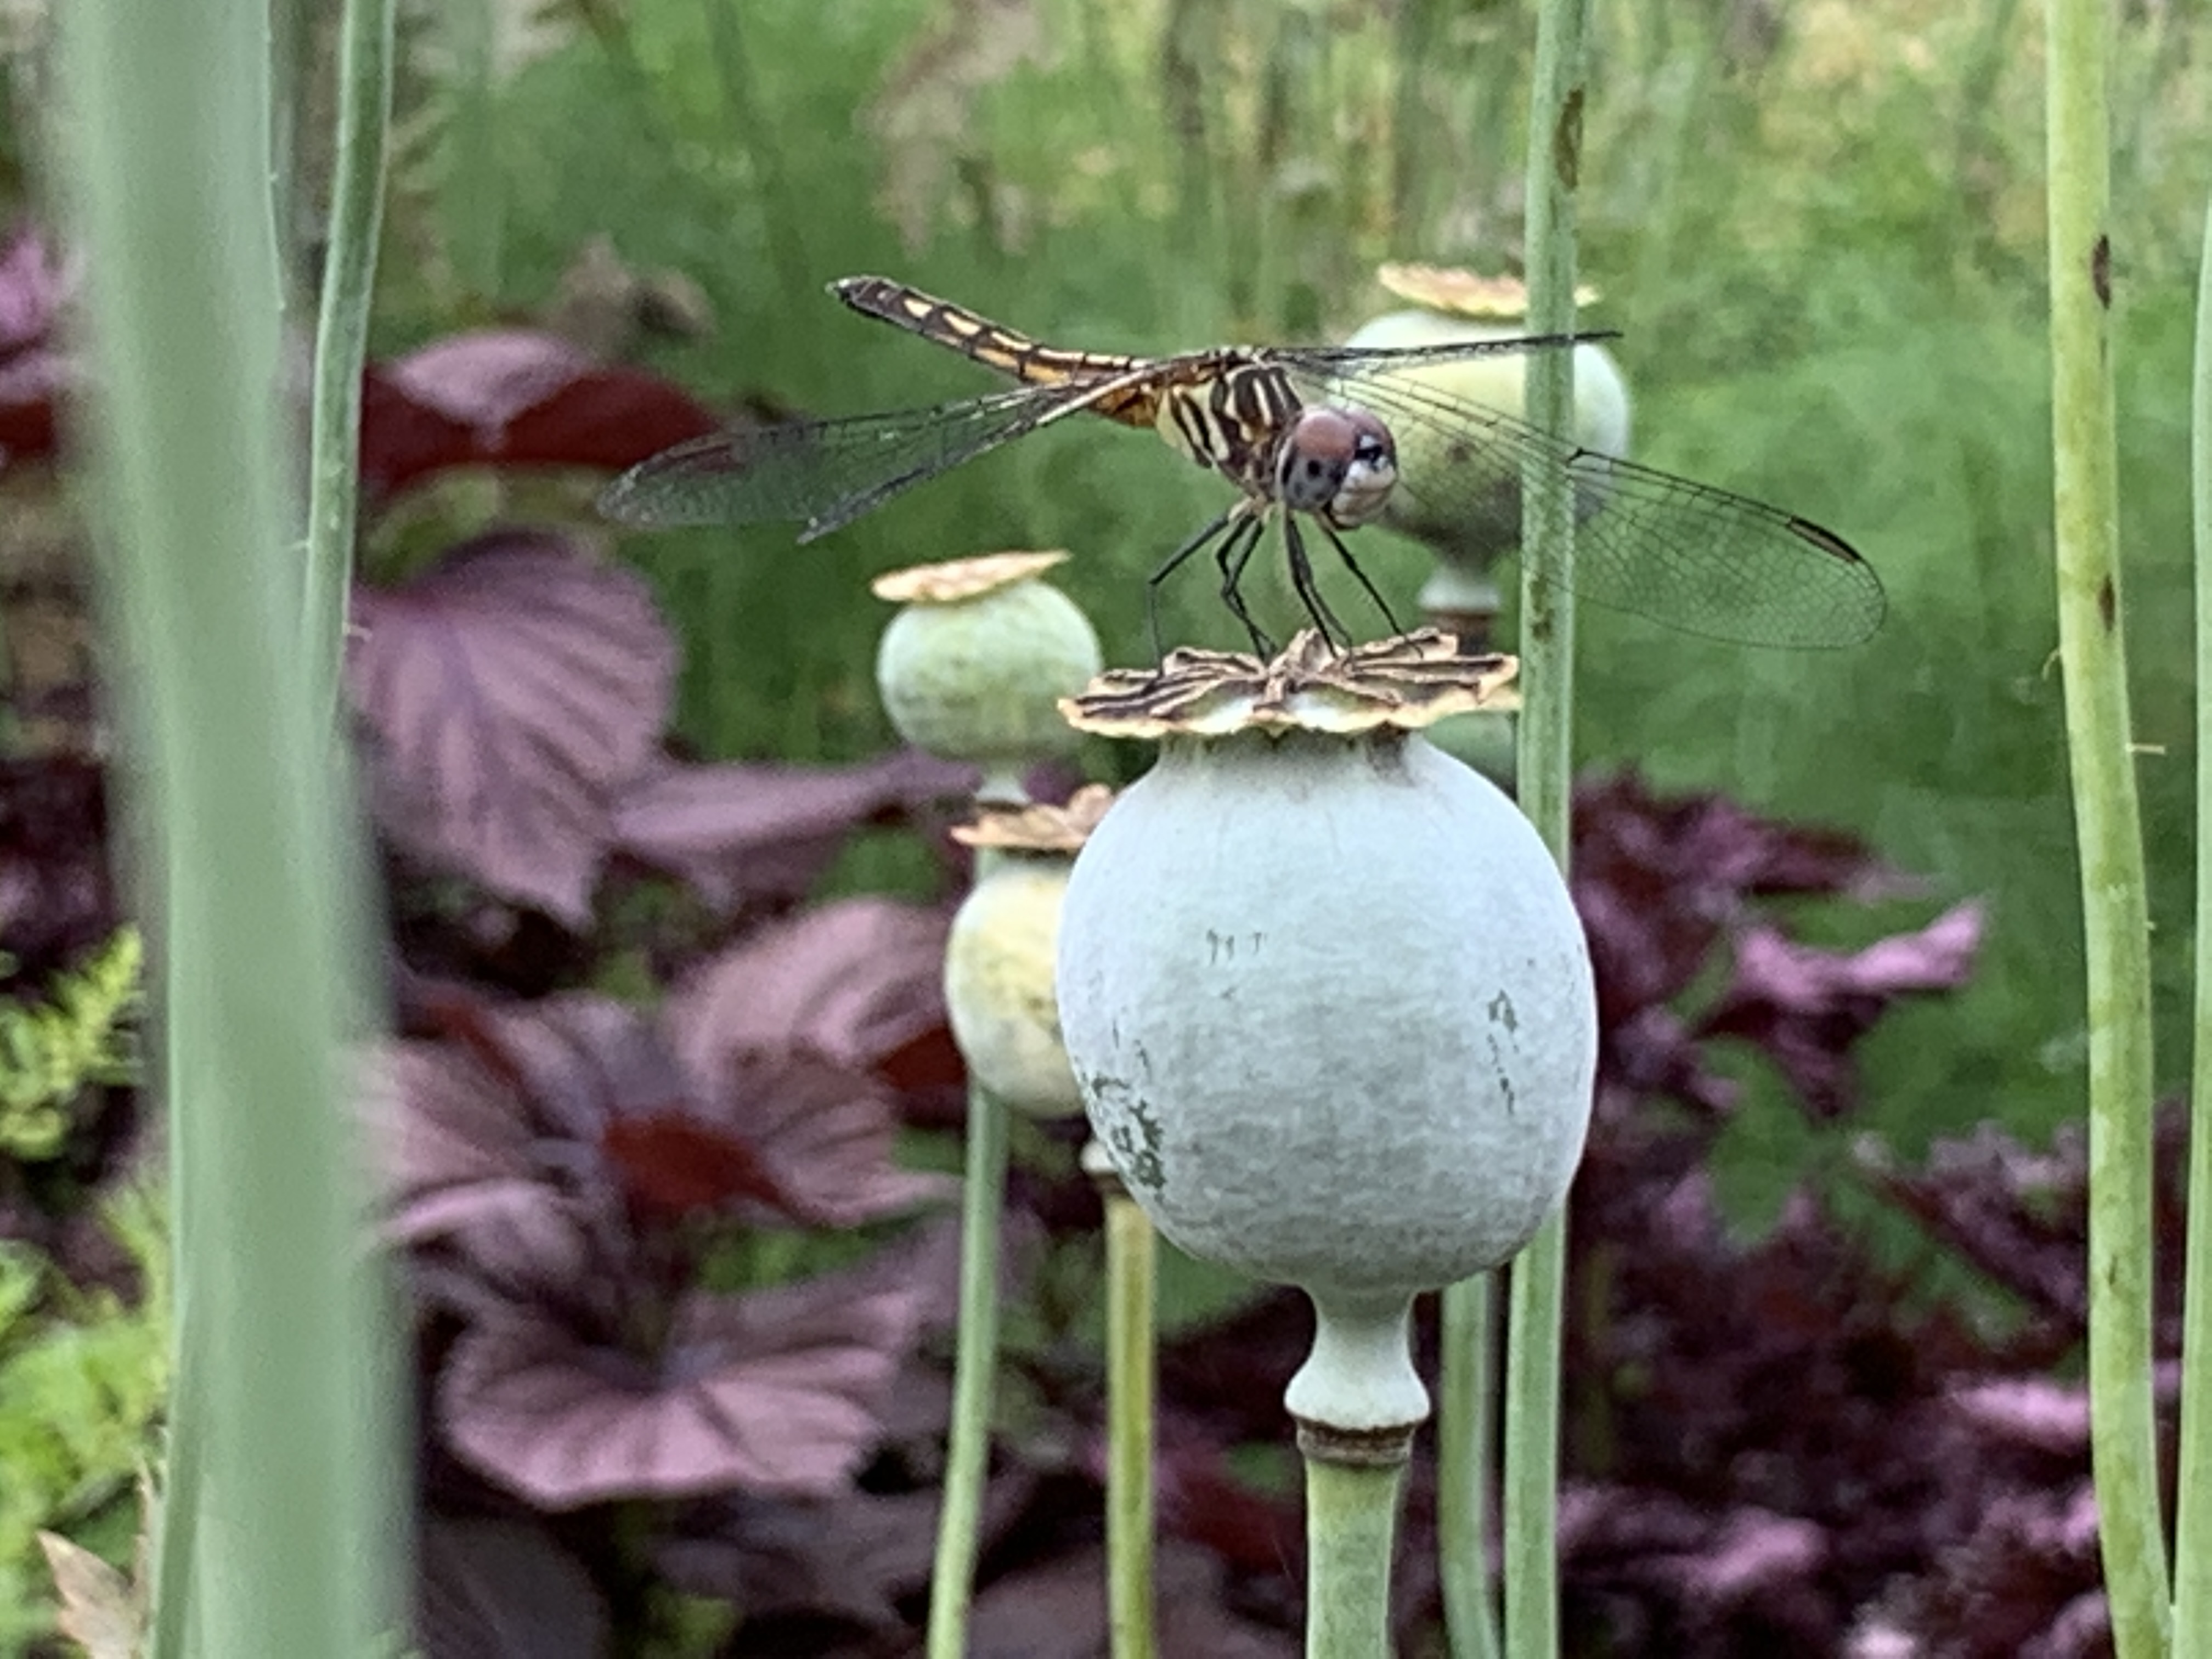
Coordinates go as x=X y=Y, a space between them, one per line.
x=1369 y=474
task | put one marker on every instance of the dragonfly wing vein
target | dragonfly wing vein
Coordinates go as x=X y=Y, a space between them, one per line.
x=823 y=474
x=1696 y=558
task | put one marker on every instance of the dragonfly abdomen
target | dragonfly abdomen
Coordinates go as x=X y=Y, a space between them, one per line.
x=992 y=344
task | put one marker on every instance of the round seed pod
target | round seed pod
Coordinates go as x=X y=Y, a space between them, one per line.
x=1327 y=999
x=999 y=958
x=973 y=666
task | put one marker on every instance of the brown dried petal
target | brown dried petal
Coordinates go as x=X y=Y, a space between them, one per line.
x=1408 y=681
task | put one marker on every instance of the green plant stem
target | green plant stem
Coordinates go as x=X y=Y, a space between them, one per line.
x=1546 y=783
x=364 y=118
x=1465 y=1418
x=241 y=850
x=974 y=1368
x=2192 y=1527
x=1131 y=1254
x=2115 y=909
x=1352 y=1516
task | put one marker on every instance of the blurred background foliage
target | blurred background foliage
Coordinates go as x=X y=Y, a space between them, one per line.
x=1818 y=225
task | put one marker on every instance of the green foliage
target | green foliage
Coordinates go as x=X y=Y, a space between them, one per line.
x=52 y=1051
x=82 y=1380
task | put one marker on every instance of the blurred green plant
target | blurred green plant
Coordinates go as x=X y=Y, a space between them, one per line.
x=83 y=1375
x=76 y=1037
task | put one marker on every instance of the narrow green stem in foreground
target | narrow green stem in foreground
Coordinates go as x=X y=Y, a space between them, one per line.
x=2192 y=1531
x=364 y=90
x=976 y=1361
x=2124 y=1449
x=290 y=1542
x=1465 y=1418
x=1131 y=1253
x=1351 y=1517
x=1545 y=782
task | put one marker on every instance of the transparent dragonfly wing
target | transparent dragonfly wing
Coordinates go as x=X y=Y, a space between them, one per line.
x=823 y=474
x=1697 y=559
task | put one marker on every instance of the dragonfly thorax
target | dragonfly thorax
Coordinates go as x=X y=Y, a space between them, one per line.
x=1247 y=421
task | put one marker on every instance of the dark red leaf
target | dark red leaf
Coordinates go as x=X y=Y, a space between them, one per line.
x=1057 y=1610
x=504 y=1589
x=673 y=1163
x=774 y=1392
x=512 y=692
x=751 y=835
x=822 y=1134
x=851 y=1558
x=34 y=373
x=514 y=397
x=855 y=981
x=1808 y=1007
x=58 y=897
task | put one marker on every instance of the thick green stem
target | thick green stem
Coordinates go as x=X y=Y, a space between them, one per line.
x=2192 y=1529
x=1351 y=1517
x=974 y=1369
x=1131 y=1252
x=2107 y=823
x=290 y=1542
x=342 y=329
x=1466 y=1415
x=1546 y=781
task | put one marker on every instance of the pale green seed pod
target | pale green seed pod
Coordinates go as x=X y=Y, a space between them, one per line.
x=1327 y=1000
x=973 y=666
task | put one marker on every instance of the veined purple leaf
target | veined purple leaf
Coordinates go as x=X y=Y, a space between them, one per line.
x=511 y=693
x=778 y=1391
x=855 y=981
x=755 y=834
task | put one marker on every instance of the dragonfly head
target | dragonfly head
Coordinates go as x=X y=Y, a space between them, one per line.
x=1339 y=464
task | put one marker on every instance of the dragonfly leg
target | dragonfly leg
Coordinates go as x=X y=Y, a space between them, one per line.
x=1232 y=556
x=1301 y=579
x=1176 y=560
x=1353 y=565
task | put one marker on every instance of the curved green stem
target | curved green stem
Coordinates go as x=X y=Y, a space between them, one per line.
x=1545 y=778
x=341 y=331
x=974 y=1369
x=281 y=1521
x=1352 y=1518
x=2192 y=1530
x=1131 y=1253
x=2115 y=908
x=1466 y=1414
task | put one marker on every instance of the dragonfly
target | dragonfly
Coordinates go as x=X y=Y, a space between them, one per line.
x=1307 y=434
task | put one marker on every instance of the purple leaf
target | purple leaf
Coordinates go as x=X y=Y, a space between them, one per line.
x=514 y=397
x=855 y=981
x=491 y=1148
x=753 y=835
x=504 y=1589
x=822 y=1133
x=1808 y=1007
x=513 y=692
x=774 y=1392
x=34 y=373
x=58 y=897
x=851 y=1558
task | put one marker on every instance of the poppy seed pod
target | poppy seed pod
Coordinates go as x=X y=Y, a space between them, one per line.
x=973 y=666
x=998 y=958
x=1325 y=993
